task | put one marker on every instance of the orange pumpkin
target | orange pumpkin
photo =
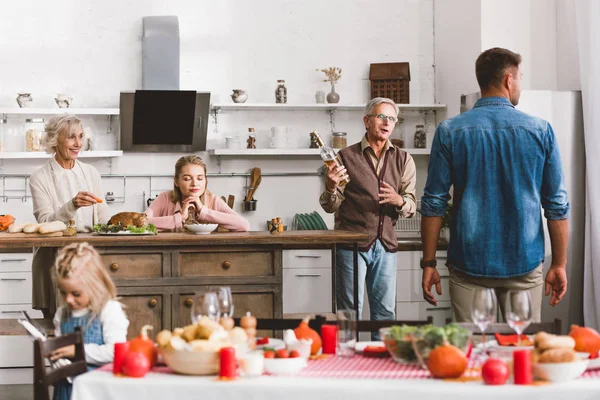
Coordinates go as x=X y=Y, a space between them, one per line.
x=303 y=331
x=6 y=221
x=446 y=361
x=143 y=344
x=587 y=340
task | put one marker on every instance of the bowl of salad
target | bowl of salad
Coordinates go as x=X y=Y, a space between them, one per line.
x=412 y=344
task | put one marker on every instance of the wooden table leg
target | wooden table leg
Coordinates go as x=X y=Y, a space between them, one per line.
x=333 y=279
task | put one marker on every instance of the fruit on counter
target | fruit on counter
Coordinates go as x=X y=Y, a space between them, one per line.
x=447 y=361
x=495 y=372
x=282 y=353
x=269 y=354
x=51 y=227
x=143 y=344
x=303 y=331
x=6 y=220
x=294 y=354
x=587 y=340
x=136 y=365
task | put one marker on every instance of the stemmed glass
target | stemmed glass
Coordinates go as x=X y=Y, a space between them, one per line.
x=206 y=304
x=484 y=310
x=225 y=301
x=518 y=311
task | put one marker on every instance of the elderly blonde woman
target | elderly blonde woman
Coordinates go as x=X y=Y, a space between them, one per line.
x=63 y=189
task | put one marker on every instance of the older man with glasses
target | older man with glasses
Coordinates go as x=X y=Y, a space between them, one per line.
x=381 y=188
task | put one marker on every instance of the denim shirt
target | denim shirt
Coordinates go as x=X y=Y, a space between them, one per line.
x=503 y=164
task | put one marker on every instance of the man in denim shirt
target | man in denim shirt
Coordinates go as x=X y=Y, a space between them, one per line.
x=503 y=164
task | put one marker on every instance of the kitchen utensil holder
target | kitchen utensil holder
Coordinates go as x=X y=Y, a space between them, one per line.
x=249 y=205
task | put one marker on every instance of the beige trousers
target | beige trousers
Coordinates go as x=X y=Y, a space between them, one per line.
x=462 y=287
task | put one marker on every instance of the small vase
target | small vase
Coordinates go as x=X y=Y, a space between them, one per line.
x=24 y=100
x=333 y=97
x=239 y=96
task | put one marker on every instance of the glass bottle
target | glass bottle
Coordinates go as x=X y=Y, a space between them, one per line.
x=281 y=92
x=420 y=137
x=71 y=228
x=329 y=156
x=2 y=129
x=34 y=129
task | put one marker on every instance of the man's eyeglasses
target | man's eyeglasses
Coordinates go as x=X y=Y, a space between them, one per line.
x=383 y=117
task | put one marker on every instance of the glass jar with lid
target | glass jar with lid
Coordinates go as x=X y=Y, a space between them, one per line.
x=281 y=92
x=34 y=131
x=339 y=140
x=398 y=134
x=2 y=130
x=420 y=137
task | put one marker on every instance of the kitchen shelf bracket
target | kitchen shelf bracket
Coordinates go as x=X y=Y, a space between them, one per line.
x=109 y=125
x=214 y=112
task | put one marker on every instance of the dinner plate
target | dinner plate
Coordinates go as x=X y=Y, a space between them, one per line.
x=360 y=346
x=123 y=233
x=493 y=345
x=594 y=363
x=274 y=343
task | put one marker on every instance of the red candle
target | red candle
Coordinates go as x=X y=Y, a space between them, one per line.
x=329 y=338
x=121 y=350
x=228 y=367
x=522 y=367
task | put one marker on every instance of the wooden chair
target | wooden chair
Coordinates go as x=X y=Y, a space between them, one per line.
x=275 y=324
x=554 y=327
x=374 y=326
x=42 y=378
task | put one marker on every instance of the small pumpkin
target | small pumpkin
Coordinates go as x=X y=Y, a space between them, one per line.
x=303 y=331
x=6 y=221
x=143 y=344
x=447 y=361
x=587 y=340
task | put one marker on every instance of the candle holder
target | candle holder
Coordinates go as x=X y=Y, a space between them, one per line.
x=249 y=205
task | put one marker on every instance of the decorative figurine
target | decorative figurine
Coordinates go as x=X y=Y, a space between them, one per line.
x=314 y=143
x=251 y=139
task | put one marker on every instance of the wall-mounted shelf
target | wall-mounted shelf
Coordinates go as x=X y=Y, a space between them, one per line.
x=56 y=110
x=41 y=154
x=317 y=107
x=287 y=152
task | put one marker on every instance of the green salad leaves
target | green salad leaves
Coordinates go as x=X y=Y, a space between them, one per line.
x=105 y=228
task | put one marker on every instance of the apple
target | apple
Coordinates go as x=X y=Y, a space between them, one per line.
x=494 y=372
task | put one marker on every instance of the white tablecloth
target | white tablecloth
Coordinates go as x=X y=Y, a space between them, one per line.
x=102 y=385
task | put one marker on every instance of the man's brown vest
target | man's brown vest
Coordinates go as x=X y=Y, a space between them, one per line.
x=360 y=211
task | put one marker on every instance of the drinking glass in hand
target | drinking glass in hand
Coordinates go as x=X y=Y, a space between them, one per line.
x=484 y=310
x=206 y=305
x=225 y=301
x=518 y=311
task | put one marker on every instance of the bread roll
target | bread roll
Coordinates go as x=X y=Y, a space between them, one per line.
x=31 y=228
x=544 y=341
x=51 y=227
x=558 y=356
x=16 y=228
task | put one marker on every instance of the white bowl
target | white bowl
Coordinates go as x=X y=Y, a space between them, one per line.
x=201 y=229
x=284 y=366
x=192 y=362
x=559 y=372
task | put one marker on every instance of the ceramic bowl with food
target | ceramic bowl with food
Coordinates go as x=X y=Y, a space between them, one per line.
x=284 y=366
x=559 y=372
x=201 y=229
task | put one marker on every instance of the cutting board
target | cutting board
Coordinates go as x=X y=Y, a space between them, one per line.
x=29 y=235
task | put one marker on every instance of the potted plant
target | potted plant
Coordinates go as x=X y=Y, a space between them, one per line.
x=333 y=75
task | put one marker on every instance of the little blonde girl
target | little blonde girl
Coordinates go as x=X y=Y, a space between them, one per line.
x=87 y=300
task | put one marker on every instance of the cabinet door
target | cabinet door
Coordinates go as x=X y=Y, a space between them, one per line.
x=145 y=306
x=307 y=290
x=15 y=262
x=420 y=311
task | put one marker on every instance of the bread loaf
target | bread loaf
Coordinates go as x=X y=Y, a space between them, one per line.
x=16 y=228
x=558 y=356
x=31 y=228
x=51 y=227
x=543 y=341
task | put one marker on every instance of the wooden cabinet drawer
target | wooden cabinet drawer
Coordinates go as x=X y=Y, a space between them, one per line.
x=13 y=311
x=16 y=351
x=420 y=311
x=261 y=305
x=144 y=265
x=306 y=259
x=15 y=288
x=307 y=290
x=145 y=309
x=408 y=285
x=227 y=264
x=15 y=262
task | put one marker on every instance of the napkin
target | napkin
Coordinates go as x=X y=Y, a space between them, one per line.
x=512 y=340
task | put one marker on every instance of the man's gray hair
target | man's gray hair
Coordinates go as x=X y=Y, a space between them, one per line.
x=63 y=123
x=377 y=101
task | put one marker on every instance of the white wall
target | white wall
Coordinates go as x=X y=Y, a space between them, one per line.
x=92 y=50
x=567 y=60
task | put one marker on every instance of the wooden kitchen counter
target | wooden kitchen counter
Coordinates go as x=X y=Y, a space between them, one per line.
x=157 y=276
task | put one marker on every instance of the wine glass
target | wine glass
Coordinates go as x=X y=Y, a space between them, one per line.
x=518 y=311
x=225 y=301
x=206 y=304
x=484 y=310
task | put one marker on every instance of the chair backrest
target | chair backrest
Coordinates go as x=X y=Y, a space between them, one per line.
x=275 y=324
x=374 y=326
x=554 y=327
x=42 y=378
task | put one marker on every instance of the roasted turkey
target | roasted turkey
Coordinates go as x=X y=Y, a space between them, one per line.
x=129 y=218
